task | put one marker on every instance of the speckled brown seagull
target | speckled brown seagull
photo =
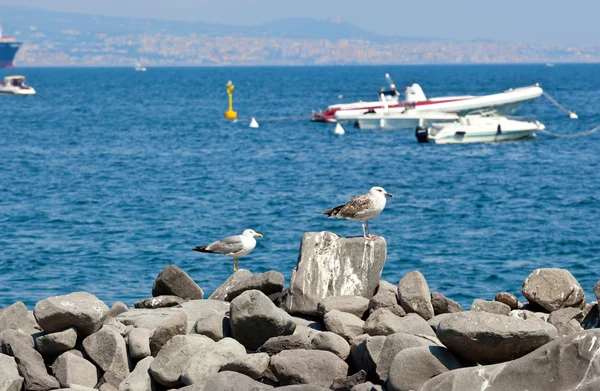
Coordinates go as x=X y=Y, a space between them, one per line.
x=234 y=246
x=362 y=208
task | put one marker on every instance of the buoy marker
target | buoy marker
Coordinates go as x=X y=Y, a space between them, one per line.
x=339 y=130
x=230 y=114
x=253 y=123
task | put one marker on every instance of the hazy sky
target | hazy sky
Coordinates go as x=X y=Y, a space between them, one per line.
x=534 y=21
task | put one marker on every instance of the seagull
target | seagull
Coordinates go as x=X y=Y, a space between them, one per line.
x=234 y=246
x=362 y=208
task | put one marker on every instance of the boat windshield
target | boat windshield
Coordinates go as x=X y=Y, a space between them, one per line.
x=18 y=82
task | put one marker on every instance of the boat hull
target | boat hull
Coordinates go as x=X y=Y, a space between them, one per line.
x=403 y=121
x=483 y=138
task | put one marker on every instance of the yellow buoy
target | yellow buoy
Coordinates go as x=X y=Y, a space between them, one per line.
x=230 y=114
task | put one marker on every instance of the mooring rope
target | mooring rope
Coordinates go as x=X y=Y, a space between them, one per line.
x=582 y=134
x=571 y=114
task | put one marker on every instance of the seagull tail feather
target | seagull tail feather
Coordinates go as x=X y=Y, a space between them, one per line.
x=202 y=249
x=333 y=212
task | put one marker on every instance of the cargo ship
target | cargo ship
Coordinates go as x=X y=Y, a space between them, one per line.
x=9 y=47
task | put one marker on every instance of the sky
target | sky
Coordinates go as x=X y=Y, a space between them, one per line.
x=526 y=21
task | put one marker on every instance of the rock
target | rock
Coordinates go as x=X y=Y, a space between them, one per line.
x=592 y=319
x=354 y=305
x=435 y=321
x=255 y=319
x=117 y=309
x=302 y=387
x=108 y=350
x=329 y=265
x=276 y=345
x=480 y=337
x=172 y=326
x=529 y=315
x=30 y=363
x=330 y=342
x=383 y=322
x=108 y=387
x=139 y=379
x=597 y=290
x=412 y=367
x=315 y=367
x=386 y=297
x=443 y=305
x=56 y=343
x=553 y=289
x=414 y=295
x=202 y=309
x=358 y=339
x=269 y=283
x=159 y=302
x=493 y=307
x=147 y=318
x=215 y=326
x=567 y=363
x=365 y=355
x=10 y=380
x=233 y=381
x=118 y=326
x=309 y=321
x=252 y=365
x=343 y=324
x=71 y=370
x=368 y=386
x=508 y=299
x=81 y=310
x=16 y=317
x=174 y=281
x=206 y=363
x=393 y=345
x=566 y=320
x=346 y=383
x=139 y=343
x=174 y=357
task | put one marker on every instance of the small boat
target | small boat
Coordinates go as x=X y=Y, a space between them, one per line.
x=408 y=119
x=139 y=67
x=478 y=128
x=16 y=85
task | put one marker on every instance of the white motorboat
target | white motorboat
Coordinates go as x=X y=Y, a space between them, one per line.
x=139 y=67
x=408 y=119
x=478 y=128
x=16 y=85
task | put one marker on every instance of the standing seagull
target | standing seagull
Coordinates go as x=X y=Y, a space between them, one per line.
x=362 y=208
x=234 y=246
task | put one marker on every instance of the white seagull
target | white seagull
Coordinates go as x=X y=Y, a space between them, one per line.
x=234 y=246
x=362 y=208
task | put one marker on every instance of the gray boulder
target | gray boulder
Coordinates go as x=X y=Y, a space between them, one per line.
x=367 y=386
x=354 y=305
x=329 y=265
x=565 y=364
x=553 y=289
x=159 y=302
x=233 y=381
x=174 y=281
x=386 y=297
x=443 y=305
x=56 y=343
x=309 y=321
x=508 y=299
x=315 y=367
x=108 y=350
x=138 y=343
x=330 y=342
x=216 y=326
x=30 y=363
x=493 y=307
x=393 y=345
x=412 y=367
x=71 y=370
x=117 y=309
x=303 y=387
x=243 y=280
x=81 y=310
x=383 y=322
x=10 y=380
x=480 y=337
x=255 y=319
x=414 y=295
x=147 y=318
x=207 y=362
x=252 y=365
x=197 y=310
x=592 y=318
x=566 y=320
x=276 y=345
x=343 y=324
x=530 y=315
x=16 y=317
x=346 y=383
x=170 y=327
x=139 y=379
x=365 y=354
x=435 y=321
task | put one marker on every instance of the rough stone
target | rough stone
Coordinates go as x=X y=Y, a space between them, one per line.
x=330 y=342
x=412 y=367
x=530 y=315
x=592 y=318
x=108 y=350
x=81 y=310
x=269 y=283
x=365 y=355
x=508 y=299
x=367 y=386
x=10 y=380
x=29 y=361
x=56 y=343
x=159 y=302
x=383 y=322
x=343 y=324
x=276 y=345
x=147 y=318
x=117 y=325
x=386 y=297
x=216 y=326
x=117 y=309
x=414 y=295
x=346 y=383
x=233 y=381
x=393 y=345
x=492 y=307
x=435 y=321
x=174 y=281
x=303 y=387
x=443 y=305
x=566 y=320
x=553 y=289
x=329 y=265
x=139 y=343
x=354 y=305
x=480 y=337
x=316 y=367
x=16 y=317
x=255 y=319
x=252 y=365
x=309 y=321
x=172 y=326
x=206 y=363
x=139 y=379
x=70 y=370
x=197 y=310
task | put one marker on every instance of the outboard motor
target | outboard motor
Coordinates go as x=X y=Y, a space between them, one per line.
x=422 y=134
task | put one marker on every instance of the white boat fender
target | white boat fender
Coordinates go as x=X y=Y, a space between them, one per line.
x=339 y=130
x=253 y=123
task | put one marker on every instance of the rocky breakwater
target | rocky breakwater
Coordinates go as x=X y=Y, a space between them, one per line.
x=353 y=333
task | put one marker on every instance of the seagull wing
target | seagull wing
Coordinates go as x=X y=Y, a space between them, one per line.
x=229 y=245
x=356 y=206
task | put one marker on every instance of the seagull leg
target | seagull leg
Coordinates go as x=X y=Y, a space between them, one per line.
x=235 y=265
x=371 y=237
x=364 y=233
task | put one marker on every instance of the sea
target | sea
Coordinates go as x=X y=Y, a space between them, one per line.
x=108 y=175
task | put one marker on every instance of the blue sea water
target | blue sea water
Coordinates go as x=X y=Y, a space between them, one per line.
x=109 y=175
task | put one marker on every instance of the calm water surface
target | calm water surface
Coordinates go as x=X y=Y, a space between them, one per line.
x=109 y=175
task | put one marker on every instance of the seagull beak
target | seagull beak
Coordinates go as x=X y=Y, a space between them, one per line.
x=259 y=235
x=389 y=195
